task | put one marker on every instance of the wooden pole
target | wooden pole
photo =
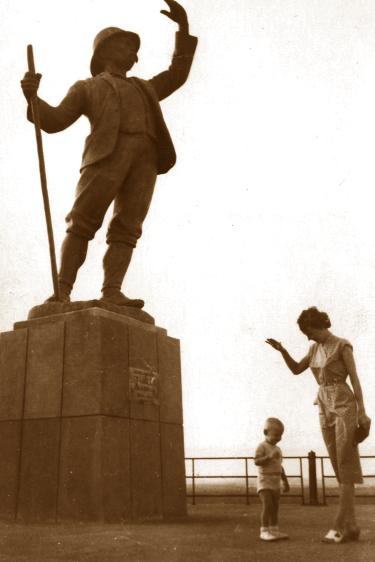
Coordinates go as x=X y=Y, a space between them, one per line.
x=43 y=178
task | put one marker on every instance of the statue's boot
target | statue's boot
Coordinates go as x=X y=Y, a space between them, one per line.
x=115 y=263
x=73 y=255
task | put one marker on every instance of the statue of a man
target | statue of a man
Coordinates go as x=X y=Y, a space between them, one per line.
x=129 y=145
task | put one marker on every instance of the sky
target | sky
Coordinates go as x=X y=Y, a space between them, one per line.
x=269 y=209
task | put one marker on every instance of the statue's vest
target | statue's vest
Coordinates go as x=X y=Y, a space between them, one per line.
x=103 y=112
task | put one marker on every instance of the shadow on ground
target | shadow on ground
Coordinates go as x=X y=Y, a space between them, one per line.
x=216 y=532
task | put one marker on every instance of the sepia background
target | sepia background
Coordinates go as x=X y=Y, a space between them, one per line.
x=269 y=210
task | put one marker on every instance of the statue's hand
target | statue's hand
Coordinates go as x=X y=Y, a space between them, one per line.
x=177 y=13
x=275 y=344
x=30 y=84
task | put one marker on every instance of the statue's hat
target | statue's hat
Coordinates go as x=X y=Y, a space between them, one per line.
x=102 y=37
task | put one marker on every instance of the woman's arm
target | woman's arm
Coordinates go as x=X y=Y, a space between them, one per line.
x=296 y=367
x=351 y=368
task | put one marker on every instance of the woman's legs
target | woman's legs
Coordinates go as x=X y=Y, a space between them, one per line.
x=345 y=516
x=338 y=419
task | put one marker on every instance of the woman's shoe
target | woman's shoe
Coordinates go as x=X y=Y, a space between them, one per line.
x=334 y=537
x=352 y=534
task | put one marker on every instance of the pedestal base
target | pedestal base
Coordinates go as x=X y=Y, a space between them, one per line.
x=90 y=419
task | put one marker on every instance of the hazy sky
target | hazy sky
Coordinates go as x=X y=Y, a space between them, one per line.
x=269 y=209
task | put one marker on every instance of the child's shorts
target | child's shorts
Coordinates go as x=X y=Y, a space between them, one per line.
x=268 y=482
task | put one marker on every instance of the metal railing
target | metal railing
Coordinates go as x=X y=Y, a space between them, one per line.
x=317 y=494
x=195 y=476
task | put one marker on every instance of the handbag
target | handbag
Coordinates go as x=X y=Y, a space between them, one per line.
x=361 y=433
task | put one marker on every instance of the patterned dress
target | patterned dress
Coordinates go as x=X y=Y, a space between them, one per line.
x=337 y=408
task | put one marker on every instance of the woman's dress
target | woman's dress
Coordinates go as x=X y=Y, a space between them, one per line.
x=337 y=408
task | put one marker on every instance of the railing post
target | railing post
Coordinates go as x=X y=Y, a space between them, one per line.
x=313 y=485
x=247 y=482
x=302 y=482
x=193 y=478
x=323 y=480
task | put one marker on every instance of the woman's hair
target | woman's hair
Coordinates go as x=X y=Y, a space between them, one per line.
x=313 y=318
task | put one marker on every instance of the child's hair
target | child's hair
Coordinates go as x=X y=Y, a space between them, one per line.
x=273 y=422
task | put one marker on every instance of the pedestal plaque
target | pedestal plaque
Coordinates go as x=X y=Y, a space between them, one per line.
x=90 y=419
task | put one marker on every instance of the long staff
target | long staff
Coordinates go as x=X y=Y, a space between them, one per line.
x=43 y=177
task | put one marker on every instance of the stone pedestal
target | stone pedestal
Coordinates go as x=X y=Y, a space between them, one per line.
x=90 y=419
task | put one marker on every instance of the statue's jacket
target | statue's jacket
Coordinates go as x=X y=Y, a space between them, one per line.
x=98 y=99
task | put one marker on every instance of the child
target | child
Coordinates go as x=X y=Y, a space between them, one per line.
x=268 y=458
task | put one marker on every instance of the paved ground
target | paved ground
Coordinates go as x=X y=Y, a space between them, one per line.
x=216 y=532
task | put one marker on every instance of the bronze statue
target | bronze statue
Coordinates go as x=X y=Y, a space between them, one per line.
x=129 y=145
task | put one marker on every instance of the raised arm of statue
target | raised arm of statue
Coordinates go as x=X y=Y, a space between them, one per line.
x=170 y=80
x=178 y=14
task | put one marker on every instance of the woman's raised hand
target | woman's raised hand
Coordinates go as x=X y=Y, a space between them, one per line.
x=275 y=344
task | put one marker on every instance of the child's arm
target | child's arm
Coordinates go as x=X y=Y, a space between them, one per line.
x=285 y=482
x=259 y=461
x=260 y=457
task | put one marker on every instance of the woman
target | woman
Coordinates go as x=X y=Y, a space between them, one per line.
x=341 y=410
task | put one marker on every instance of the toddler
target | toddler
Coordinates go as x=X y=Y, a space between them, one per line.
x=268 y=459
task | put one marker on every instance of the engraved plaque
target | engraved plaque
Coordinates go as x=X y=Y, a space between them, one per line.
x=143 y=385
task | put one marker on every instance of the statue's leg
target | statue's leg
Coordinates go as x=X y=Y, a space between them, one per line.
x=73 y=255
x=130 y=209
x=95 y=192
x=115 y=263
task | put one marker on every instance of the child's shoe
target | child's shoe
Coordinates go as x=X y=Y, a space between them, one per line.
x=278 y=534
x=333 y=537
x=266 y=535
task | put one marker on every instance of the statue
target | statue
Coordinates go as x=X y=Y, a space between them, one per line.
x=129 y=145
